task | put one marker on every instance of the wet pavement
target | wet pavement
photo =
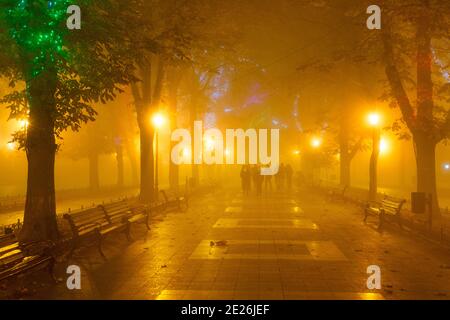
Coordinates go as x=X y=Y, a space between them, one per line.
x=280 y=246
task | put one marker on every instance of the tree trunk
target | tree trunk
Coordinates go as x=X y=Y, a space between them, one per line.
x=120 y=170
x=173 y=80
x=345 y=165
x=373 y=166
x=194 y=167
x=94 y=179
x=344 y=162
x=40 y=207
x=426 y=170
x=146 y=101
x=173 y=172
x=130 y=149
x=346 y=153
x=147 y=162
x=424 y=139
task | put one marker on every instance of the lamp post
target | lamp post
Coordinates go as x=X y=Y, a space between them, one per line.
x=158 y=121
x=316 y=143
x=374 y=120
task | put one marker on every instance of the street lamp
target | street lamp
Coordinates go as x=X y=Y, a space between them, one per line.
x=158 y=121
x=209 y=144
x=384 y=146
x=374 y=120
x=316 y=142
x=11 y=146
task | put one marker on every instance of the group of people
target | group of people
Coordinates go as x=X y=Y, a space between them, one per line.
x=251 y=175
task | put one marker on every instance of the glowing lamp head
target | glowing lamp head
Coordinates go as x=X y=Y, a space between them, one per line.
x=384 y=146
x=447 y=166
x=186 y=153
x=23 y=123
x=11 y=146
x=296 y=152
x=316 y=142
x=374 y=119
x=158 y=120
x=209 y=143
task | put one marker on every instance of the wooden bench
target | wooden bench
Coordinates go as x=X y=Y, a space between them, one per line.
x=337 y=192
x=21 y=259
x=126 y=213
x=92 y=225
x=172 y=200
x=142 y=212
x=389 y=206
x=6 y=239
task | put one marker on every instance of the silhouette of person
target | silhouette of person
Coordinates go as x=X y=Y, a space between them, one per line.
x=258 y=179
x=245 y=179
x=268 y=183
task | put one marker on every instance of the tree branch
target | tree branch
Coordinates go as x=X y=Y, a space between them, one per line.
x=356 y=148
x=159 y=80
x=395 y=82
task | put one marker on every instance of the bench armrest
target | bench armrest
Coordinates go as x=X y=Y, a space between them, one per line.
x=373 y=204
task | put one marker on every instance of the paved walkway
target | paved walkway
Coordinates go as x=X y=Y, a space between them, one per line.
x=295 y=246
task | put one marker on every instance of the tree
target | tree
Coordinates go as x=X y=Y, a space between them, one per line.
x=63 y=72
x=410 y=50
x=181 y=32
x=415 y=29
x=164 y=20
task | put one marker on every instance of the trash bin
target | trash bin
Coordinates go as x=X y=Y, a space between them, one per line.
x=418 y=202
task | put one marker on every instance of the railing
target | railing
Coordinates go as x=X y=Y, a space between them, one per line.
x=199 y=190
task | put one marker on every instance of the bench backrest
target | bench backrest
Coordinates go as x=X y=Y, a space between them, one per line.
x=10 y=254
x=165 y=196
x=13 y=254
x=392 y=205
x=137 y=207
x=7 y=239
x=169 y=195
x=116 y=211
x=86 y=220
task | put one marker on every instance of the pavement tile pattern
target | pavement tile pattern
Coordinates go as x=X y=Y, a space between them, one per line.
x=294 y=245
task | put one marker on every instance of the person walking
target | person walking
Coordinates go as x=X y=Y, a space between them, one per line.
x=258 y=180
x=245 y=179
x=267 y=183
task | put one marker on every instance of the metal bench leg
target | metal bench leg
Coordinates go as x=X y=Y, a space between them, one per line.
x=399 y=220
x=380 y=225
x=72 y=250
x=128 y=231
x=100 y=250
x=365 y=214
x=147 y=215
x=51 y=270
